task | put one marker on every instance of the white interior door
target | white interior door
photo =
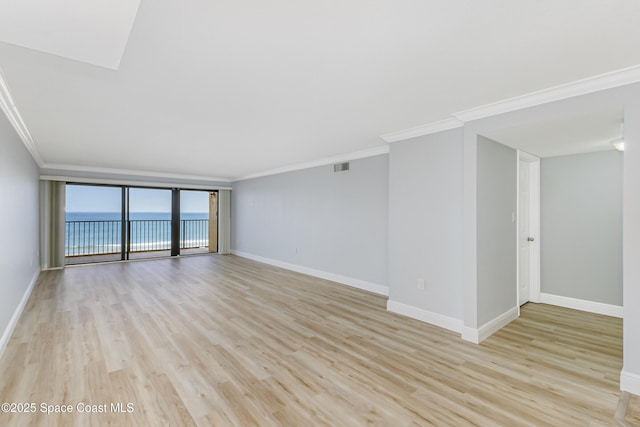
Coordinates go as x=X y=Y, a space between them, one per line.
x=524 y=232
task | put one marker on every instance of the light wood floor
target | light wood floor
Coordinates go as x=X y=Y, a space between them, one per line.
x=223 y=341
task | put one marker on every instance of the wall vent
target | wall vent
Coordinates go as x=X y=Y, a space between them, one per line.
x=341 y=167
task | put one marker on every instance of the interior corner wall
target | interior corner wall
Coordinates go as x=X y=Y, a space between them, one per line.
x=425 y=223
x=335 y=223
x=581 y=226
x=630 y=377
x=19 y=226
x=496 y=229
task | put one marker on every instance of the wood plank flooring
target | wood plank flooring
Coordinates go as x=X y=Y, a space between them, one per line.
x=224 y=341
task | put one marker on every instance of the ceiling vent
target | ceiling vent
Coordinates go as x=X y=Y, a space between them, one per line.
x=341 y=167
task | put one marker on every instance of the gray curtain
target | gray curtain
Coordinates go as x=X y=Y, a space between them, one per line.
x=213 y=222
x=52 y=223
x=224 y=221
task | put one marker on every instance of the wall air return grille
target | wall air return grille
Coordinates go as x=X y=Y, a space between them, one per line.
x=341 y=167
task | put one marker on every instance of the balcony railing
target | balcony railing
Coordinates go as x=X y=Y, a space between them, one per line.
x=104 y=237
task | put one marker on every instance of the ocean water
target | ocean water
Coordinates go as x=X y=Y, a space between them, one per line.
x=98 y=216
x=93 y=233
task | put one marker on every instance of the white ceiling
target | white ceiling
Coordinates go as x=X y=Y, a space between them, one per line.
x=566 y=135
x=229 y=88
x=92 y=31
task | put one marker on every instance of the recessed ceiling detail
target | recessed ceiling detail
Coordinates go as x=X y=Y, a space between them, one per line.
x=91 y=31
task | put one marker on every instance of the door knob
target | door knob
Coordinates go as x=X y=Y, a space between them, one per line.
x=530 y=239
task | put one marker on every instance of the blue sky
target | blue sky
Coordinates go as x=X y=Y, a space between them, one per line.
x=90 y=198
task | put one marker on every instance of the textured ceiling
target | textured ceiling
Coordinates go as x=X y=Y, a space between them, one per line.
x=230 y=88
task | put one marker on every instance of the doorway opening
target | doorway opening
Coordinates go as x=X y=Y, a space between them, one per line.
x=569 y=209
x=528 y=226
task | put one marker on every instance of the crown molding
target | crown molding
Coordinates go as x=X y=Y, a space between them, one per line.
x=131 y=173
x=132 y=183
x=320 y=162
x=10 y=110
x=597 y=83
x=435 y=127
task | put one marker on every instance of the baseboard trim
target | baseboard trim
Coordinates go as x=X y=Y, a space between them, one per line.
x=429 y=317
x=470 y=334
x=349 y=281
x=8 y=332
x=630 y=382
x=582 y=305
x=491 y=327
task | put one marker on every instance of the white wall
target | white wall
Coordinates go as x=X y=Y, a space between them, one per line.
x=19 y=222
x=496 y=238
x=630 y=377
x=425 y=226
x=331 y=222
x=581 y=226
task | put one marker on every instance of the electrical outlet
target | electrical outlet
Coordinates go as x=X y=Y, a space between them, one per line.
x=421 y=284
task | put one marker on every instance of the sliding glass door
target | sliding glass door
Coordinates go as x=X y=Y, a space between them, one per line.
x=148 y=223
x=194 y=222
x=108 y=223
x=93 y=223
